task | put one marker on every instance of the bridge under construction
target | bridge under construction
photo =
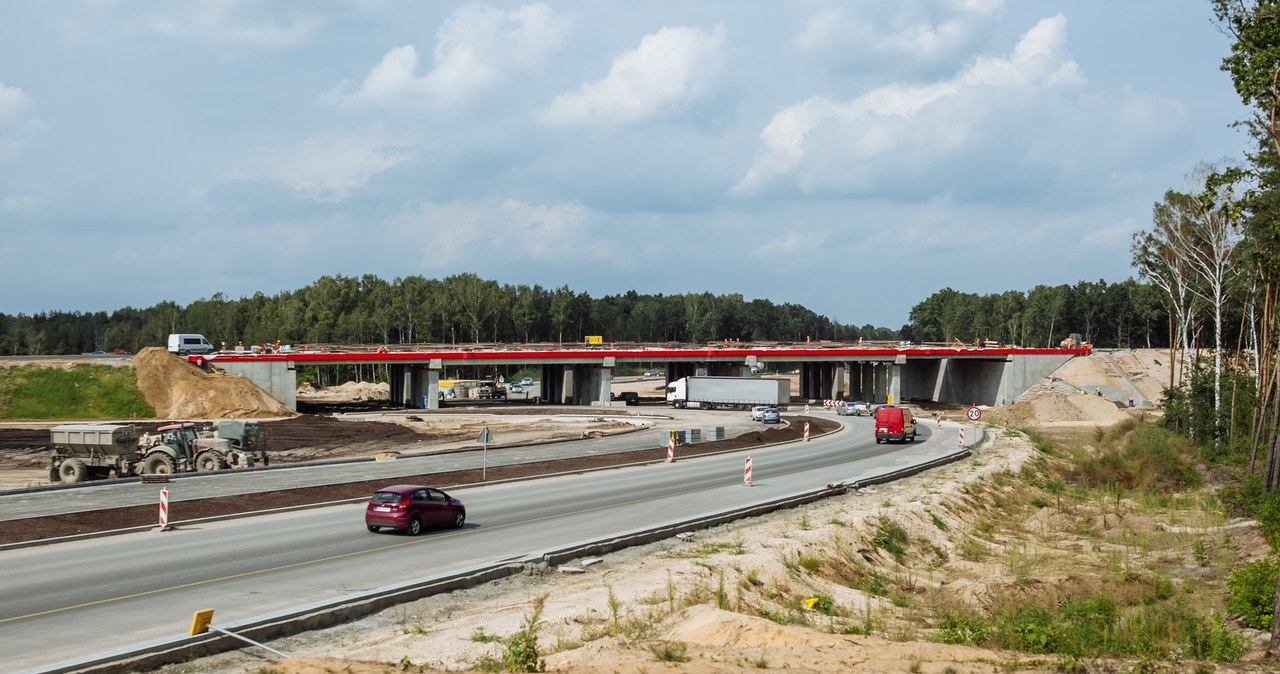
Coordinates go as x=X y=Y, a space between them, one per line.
x=582 y=375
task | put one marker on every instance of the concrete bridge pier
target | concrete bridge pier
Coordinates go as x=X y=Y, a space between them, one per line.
x=894 y=379
x=413 y=384
x=821 y=381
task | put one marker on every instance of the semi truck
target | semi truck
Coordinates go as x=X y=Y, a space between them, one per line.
x=96 y=451
x=736 y=393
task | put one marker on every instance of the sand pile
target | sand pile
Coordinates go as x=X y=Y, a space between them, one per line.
x=1053 y=408
x=352 y=390
x=178 y=390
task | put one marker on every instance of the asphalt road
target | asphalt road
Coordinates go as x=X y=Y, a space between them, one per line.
x=191 y=486
x=77 y=599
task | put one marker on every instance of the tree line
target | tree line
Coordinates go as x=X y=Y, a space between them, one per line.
x=465 y=308
x=459 y=309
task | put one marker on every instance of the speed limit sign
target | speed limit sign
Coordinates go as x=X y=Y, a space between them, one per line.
x=974 y=414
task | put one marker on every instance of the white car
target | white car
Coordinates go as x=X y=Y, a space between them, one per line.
x=527 y=381
x=856 y=408
x=757 y=412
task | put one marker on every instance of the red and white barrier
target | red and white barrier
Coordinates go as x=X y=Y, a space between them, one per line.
x=164 y=509
x=806 y=431
x=806 y=408
x=962 y=436
x=746 y=476
x=671 y=449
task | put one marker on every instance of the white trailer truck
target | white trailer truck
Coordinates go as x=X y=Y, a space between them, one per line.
x=737 y=393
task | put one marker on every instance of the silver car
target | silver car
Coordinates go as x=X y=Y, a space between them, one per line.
x=770 y=416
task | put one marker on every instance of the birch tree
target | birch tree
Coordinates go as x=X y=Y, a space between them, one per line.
x=1207 y=247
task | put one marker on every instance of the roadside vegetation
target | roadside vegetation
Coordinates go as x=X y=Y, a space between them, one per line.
x=1122 y=546
x=83 y=391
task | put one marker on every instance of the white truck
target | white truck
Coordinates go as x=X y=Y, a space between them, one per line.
x=736 y=393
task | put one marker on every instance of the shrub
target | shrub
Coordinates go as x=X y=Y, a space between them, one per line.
x=1253 y=593
x=1211 y=639
x=964 y=628
x=890 y=537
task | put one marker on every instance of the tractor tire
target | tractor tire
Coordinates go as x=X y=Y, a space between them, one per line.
x=414 y=528
x=210 y=461
x=72 y=471
x=157 y=464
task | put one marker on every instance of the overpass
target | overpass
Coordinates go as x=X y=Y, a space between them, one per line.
x=582 y=375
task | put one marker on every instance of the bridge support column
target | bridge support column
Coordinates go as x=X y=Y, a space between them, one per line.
x=895 y=380
x=406 y=388
x=567 y=391
x=942 y=375
x=433 y=385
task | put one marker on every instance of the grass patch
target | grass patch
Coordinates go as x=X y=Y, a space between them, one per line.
x=83 y=391
x=891 y=537
x=703 y=550
x=670 y=652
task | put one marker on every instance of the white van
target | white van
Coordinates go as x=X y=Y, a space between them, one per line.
x=185 y=344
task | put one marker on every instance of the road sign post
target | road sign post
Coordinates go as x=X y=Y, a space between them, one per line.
x=485 y=438
x=202 y=621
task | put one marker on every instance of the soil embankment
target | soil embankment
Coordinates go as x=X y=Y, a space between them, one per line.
x=178 y=390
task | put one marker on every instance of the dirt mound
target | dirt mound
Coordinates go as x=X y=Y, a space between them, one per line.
x=178 y=390
x=352 y=390
x=1055 y=408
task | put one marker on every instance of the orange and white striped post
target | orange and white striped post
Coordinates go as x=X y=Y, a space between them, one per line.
x=671 y=448
x=164 y=509
x=962 y=436
x=746 y=476
x=806 y=431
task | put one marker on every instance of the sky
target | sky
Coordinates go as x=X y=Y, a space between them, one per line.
x=850 y=156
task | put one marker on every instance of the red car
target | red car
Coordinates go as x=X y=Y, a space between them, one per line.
x=412 y=508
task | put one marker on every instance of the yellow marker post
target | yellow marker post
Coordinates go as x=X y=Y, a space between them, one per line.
x=200 y=621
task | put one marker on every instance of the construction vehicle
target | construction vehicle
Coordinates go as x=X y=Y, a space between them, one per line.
x=737 y=393
x=1073 y=341
x=96 y=451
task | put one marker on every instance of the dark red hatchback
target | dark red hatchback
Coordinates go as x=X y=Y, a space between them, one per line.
x=412 y=508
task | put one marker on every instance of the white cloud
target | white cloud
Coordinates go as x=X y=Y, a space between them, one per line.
x=902 y=33
x=476 y=48
x=822 y=143
x=225 y=23
x=666 y=71
x=17 y=119
x=795 y=245
x=509 y=229
x=329 y=167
